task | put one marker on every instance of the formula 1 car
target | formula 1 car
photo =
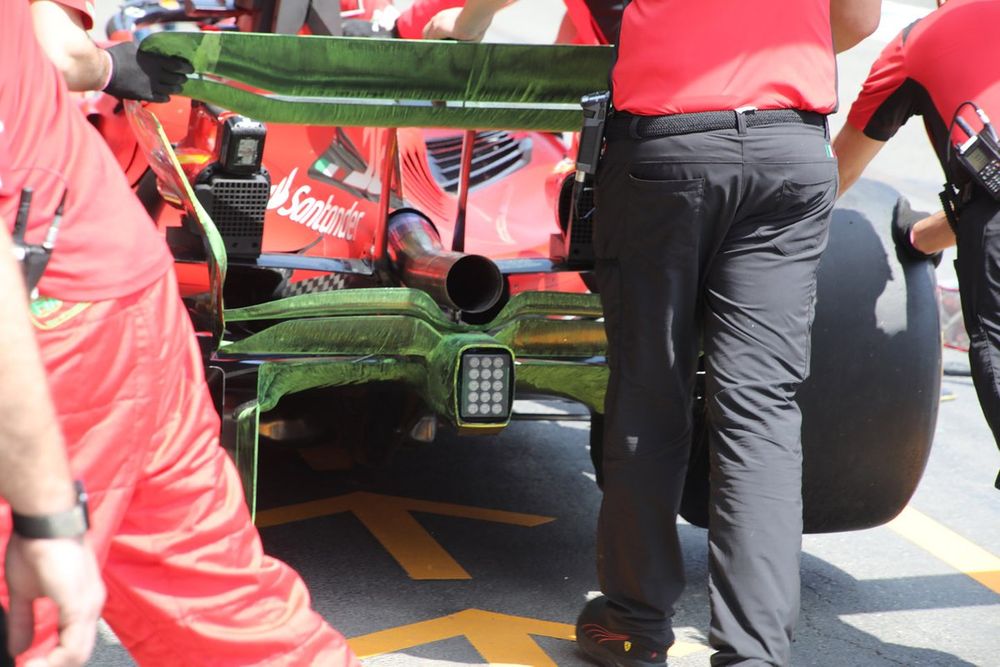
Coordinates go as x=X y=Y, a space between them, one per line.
x=400 y=247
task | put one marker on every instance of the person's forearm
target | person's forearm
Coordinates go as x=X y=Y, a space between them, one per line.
x=854 y=150
x=60 y=31
x=853 y=20
x=36 y=478
x=476 y=17
x=932 y=234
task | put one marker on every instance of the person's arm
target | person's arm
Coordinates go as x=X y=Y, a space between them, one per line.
x=120 y=69
x=854 y=150
x=467 y=23
x=932 y=234
x=61 y=32
x=853 y=20
x=36 y=481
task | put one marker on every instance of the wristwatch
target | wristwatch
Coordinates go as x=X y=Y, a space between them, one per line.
x=73 y=522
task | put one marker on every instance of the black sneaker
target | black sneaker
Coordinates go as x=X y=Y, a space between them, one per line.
x=611 y=648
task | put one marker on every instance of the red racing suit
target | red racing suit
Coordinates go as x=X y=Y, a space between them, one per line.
x=188 y=582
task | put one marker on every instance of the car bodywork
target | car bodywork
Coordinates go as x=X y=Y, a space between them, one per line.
x=354 y=281
x=379 y=334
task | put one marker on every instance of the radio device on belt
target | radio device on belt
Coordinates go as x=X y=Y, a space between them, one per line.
x=979 y=157
x=595 y=114
x=576 y=245
x=32 y=257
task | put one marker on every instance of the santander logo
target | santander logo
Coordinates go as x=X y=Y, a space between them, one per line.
x=324 y=217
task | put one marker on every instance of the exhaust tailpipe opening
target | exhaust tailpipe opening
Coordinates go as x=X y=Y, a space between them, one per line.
x=469 y=283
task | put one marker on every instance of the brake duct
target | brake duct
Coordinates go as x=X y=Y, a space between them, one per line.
x=456 y=280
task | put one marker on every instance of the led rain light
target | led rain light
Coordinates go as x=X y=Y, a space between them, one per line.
x=486 y=385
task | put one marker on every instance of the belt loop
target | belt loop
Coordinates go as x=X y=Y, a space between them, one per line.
x=633 y=128
x=741 y=122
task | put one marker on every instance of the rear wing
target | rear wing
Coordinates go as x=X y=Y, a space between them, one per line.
x=344 y=81
x=354 y=81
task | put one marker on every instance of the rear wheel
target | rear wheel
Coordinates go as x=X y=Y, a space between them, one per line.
x=870 y=404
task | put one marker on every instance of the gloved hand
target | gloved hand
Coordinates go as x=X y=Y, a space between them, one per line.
x=903 y=219
x=138 y=75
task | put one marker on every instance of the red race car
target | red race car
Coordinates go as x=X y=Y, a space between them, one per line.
x=379 y=237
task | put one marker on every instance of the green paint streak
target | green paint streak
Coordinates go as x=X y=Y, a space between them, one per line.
x=305 y=79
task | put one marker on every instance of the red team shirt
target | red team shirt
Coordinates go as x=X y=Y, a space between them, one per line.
x=947 y=57
x=768 y=54
x=86 y=9
x=107 y=246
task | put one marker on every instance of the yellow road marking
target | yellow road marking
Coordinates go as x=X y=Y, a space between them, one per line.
x=498 y=638
x=950 y=547
x=390 y=520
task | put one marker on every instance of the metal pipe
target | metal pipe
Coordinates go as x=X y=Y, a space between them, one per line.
x=465 y=171
x=470 y=283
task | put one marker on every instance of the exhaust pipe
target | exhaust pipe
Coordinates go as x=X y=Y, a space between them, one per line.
x=470 y=283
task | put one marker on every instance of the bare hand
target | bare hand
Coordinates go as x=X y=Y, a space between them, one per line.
x=446 y=25
x=65 y=571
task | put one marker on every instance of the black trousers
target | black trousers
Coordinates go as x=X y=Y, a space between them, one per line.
x=978 y=269
x=709 y=241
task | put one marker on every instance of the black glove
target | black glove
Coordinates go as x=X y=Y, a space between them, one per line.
x=903 y=219
x=138 y=75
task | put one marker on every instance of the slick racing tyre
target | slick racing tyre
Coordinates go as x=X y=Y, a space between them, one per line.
x=870 y=404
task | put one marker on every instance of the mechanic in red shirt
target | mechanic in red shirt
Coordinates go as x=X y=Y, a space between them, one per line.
x=586 y=21
x=187 y=580
x=935 y=68
x=713 y=198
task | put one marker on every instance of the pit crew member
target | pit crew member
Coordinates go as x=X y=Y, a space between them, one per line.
x=585 y=22
x=713 y=198
x=943 y=67
x=186 y=577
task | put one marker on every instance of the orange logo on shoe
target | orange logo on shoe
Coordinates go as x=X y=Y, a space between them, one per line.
x=601 y=634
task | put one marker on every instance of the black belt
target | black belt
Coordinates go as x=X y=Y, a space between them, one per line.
x=622 y=124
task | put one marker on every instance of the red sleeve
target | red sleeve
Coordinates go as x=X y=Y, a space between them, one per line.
x=85 y=7
x=410 y=24
x=887 y=96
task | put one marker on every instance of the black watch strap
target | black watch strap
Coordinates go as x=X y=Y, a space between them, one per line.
x=70 y=523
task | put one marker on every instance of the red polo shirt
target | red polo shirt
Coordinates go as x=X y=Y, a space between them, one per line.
x=107 y=245
x=930 y=68
x=86 y=9
x=680 y=56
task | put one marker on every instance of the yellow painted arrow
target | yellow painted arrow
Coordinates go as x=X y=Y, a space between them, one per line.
x=390 y=520
x=499 y=638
